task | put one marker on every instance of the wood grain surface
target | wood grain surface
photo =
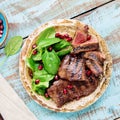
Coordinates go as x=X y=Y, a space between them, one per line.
x=103 y=15
x=24 y=16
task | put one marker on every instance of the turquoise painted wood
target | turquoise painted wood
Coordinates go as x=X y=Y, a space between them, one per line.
x=106 y=20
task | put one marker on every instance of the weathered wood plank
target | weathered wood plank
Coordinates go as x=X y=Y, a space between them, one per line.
x=24 y=16
x=11 y=106
x=106 y=20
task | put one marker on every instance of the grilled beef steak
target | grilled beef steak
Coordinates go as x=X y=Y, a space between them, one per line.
x=94 y=67
x=80 y=37
x=90 y=45
x=72 y=69
x=95 y=55
x=65 y=91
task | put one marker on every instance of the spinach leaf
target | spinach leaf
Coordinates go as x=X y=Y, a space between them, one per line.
x=13 y=45
x=30 y=63
x=64 y=51
x=62 y=44
x=47 y=42
x=42 y=75
x=38 y=56
x=47 y=33
x=51 y=62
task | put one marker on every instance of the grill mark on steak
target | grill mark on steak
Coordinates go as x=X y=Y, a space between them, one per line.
x=72 y=70
x=85 y=48
x=94 y=67
x=78 y=90
x=95 y=55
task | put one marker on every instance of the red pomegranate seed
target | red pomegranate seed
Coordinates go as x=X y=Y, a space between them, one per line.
x=69 y=39
x=34 y=46
x=56 y=77
x=50 y=48
x=61 y=36
x=37 y=81
x=66 y=36
x=40 y=67
x=1 y=27
x=0 y=35
x=86 y=28
x=46 y=95
x=57 y=35
x=78 y=97
x=88 y=37
x=65 y=91
x=34 y=52
x=1 y=21
x=1 y=32
x=69 y=86
x=88 y=72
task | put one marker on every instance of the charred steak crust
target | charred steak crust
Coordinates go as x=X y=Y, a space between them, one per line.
x=78 y=90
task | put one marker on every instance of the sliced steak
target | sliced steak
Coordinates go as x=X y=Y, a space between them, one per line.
x=80 y=37
x=72 y=69
x=95 y=55
x=90 y=45
x=94 y=67
x=63 y=67
x=63 y=91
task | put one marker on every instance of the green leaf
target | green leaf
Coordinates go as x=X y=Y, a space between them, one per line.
x=47 y=42
x=13 y=45
x=38 y=56
x=62 y=44
x=30 y=63
x=51 y=62
x=64 y=51
x=47 y=33
x=42 y=75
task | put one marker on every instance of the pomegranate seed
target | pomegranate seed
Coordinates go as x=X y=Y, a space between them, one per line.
x=69 y=39
x=1 y=32
x=0 y=35
x=1 y=27
x=37 y=81
x=69 y=86
x=78 y=97
x=1 y=21
x=88 y=72
x=34 y=46
x=40 y=67
x=50 y=48
x=56 y=77
x=34 y=52
x=66 y=36
x=57 y=35
x=61 y=36
x=88 y=37
x=46 y=95
x=86 y=28
x=65 y=91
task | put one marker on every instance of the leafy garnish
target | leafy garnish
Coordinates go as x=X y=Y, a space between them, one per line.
x=13 y=45
x=47 y=33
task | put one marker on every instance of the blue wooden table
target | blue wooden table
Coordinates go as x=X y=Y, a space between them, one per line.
x=103 y=15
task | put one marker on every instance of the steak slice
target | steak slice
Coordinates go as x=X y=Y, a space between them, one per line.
x=63 y=67
x=94 y=67
x=61 y=92
x=80 y=37
x=95 y=55
x=90 y=45
x=72 y=69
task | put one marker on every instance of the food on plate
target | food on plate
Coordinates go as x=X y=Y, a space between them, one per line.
x=65 y=65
